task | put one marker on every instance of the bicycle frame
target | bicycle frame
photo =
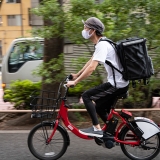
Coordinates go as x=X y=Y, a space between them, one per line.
x=63 y=115
x=133 y=133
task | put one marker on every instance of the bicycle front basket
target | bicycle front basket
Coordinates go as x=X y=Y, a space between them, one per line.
x=43 y=103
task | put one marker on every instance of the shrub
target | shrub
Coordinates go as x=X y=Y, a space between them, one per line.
x=19 y=93
x=141 y=96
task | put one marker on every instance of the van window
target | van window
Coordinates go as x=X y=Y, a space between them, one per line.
x=23 y=52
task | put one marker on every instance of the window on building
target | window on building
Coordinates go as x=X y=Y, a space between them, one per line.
x=35 y=20
x=13 y=1
x=1 y=21
x=0 y=3
x=14 y=20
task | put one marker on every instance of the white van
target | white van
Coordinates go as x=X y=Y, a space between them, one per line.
x=22 y=57
x=25 y=54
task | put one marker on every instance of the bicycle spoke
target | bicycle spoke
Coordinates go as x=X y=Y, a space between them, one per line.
x=145 y=150
x=43 y=150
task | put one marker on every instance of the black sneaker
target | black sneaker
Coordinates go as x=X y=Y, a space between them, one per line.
x=91 y=132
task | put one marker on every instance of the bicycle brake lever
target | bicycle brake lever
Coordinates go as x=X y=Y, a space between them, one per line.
x=65 y=85
x=68 y=78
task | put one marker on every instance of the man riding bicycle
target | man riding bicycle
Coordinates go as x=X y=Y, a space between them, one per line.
x=104 y=94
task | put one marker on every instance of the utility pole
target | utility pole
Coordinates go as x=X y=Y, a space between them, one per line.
x=21 y=11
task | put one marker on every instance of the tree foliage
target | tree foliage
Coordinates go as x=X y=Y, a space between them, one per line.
x=49 y=70
x=50 y=10
x=122 y=19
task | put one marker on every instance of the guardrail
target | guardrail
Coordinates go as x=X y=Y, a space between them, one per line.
x=80 y=110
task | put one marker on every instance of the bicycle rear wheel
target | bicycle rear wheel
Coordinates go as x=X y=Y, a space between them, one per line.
x=148 y=151
x=37 y=142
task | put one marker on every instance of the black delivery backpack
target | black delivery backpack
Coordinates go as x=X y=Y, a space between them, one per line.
x=136 y=63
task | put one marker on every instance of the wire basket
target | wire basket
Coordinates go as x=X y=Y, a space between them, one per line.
x=44 y=104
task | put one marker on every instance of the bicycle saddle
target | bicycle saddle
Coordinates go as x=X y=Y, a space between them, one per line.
x=123 y=95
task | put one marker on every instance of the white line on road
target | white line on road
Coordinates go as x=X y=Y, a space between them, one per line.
x=19 y=131
x=14 y=131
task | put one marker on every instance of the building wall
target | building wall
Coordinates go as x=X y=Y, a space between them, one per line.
x=29 y=21
x=8 y=33
x=35 y=21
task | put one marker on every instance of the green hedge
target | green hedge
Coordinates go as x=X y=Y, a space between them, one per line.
x=19 y=93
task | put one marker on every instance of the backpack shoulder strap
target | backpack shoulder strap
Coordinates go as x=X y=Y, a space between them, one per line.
x=114 y=45
x=110 y=64
x=108 y=40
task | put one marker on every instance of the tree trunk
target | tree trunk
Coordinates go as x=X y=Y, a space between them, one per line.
x=53 y=47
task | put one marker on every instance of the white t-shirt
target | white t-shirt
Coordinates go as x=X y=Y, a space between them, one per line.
x=105 y=51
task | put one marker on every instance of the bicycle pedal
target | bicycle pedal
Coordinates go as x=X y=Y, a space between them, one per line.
x=99 y=141
x=108 y=137
x=117 y=144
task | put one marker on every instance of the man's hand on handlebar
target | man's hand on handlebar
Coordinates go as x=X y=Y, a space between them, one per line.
x=70 y=80
x=71 y=83
x=75 y=76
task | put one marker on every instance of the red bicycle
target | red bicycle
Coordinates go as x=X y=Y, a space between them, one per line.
x=138 y=138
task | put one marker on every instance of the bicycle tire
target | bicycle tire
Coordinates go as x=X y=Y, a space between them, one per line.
x=142 y=156
x=37 y=142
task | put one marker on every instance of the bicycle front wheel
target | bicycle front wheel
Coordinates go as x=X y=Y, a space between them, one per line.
x=148 y=151
x=37 y=142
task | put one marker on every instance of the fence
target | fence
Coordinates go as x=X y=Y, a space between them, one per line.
x=82 y=110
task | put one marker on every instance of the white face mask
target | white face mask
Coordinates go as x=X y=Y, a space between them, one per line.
x=86 y=34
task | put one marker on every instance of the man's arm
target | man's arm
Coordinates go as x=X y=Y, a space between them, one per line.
x=75 y=76
x=87 y=72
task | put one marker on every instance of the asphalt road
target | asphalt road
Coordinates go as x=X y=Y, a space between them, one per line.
x=13 y=146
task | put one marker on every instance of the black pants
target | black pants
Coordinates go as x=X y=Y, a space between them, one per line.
x=103 y=96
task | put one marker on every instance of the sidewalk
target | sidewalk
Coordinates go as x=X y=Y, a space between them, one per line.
x=4 y=105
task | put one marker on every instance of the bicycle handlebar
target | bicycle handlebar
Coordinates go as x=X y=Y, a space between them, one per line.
x=36 y=92
x=67 y=78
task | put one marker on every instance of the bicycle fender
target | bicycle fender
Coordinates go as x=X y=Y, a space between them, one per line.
x=65 y=132
x=147 y=126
